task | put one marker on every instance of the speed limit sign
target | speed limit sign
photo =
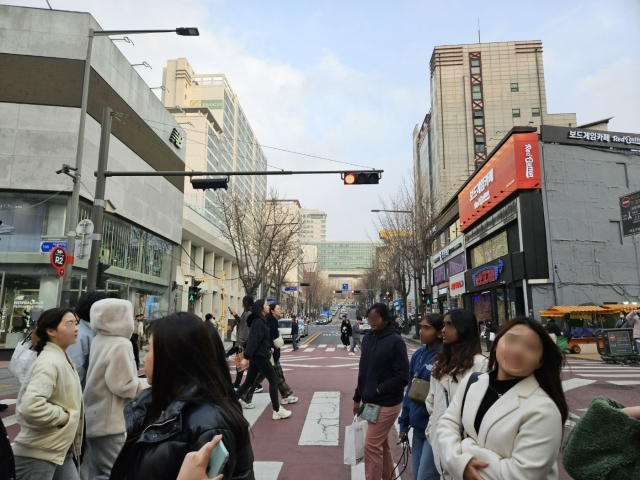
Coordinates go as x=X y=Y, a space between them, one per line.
x=58 y=258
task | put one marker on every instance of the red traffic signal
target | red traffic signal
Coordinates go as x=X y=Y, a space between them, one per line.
x=361 y=178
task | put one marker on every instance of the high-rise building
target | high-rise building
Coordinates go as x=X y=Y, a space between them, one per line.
x=314 y=226
x=345 y=262
x=478 y=93
x=219 y=136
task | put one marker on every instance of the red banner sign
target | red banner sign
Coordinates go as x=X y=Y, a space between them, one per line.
x=515 y=166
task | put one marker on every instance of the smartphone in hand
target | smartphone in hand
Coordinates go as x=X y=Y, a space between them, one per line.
x=217 y=460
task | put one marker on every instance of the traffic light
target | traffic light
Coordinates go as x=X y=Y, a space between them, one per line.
x=102 y=278
x=304 y=284
x=194 y=294
x=210 y=183
x=356 y=292
x=426 y=298
x=337 y=291
x=361 y=178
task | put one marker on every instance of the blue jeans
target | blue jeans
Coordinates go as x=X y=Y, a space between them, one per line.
x=293 y=342
x=423 y=465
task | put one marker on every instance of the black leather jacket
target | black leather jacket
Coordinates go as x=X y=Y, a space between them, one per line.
x=183 y=427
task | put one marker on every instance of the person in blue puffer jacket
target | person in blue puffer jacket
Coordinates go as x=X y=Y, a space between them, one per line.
x=414 y=415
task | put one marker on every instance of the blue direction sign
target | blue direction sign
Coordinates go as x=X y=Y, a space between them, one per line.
x=345 y=287
x=46 y=247
x=271 y=300
x=290 y=289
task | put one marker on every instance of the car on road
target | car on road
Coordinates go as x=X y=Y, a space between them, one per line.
x=322 y=320
x=284 y=327
x=303 y=328
x=365 y=327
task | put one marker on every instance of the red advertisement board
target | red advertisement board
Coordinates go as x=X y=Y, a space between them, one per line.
x=516 y=166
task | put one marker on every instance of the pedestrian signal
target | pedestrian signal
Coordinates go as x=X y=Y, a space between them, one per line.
x=194 y=294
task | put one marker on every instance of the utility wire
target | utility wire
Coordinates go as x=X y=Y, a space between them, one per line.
x=270 y=147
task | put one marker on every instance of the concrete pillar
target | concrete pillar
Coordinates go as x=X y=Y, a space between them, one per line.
x=185 y=270
x=199 y=261
x=209 y=285
x=49 y=290
x=217 y=299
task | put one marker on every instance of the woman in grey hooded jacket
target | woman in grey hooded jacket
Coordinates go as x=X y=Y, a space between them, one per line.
x=112 y=381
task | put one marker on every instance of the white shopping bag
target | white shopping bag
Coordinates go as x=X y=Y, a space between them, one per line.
x=22 y=359
x=354 y=436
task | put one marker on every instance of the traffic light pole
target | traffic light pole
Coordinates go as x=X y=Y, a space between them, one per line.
x=98 y=202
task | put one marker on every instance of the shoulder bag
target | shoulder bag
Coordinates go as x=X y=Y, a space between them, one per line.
x=278 y=342
x=369 y=412
x=419 y=388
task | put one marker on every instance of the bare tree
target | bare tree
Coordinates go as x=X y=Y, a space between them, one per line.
x=286 y=254
x=318 y=294
x=405 y=228
x=254 y=228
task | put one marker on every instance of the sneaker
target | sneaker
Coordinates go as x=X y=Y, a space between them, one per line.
x=247 y=406
x=289 y=399
x=351 y=354
x=282 y=413
x=4 y=406
x=258 y=389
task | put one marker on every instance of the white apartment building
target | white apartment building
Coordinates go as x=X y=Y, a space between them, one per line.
x=219 y=138
x=314 y=226
x=478 y=93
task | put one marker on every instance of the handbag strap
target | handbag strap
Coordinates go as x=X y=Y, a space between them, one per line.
x=420 y=363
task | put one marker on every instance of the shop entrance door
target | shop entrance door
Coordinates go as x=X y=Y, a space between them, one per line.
x=482 y=306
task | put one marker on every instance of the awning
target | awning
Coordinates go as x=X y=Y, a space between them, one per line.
x=551 y=313
x=620 y=307
x=562 y=310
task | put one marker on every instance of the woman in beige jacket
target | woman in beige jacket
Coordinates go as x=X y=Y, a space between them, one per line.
x=49 y=407
x=459 y=355
x=509 y=425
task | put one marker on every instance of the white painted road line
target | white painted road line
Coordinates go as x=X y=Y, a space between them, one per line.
x=324 y=345
x=575 y=383
x=343 y=365
x=608 y=375
x=10 y=420
x=624 y=382
x=267 y=470
x=261 y=401
x=331 y=350
x=310 y=349
x=301 y=365
x=322 y=425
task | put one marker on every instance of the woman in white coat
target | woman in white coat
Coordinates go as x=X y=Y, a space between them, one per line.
x=509 y=424
x=459 y=355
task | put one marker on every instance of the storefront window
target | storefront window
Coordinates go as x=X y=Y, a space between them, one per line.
x=489 y=250
x=130 y=247
x=456 y=265
x=482 y=306
x=440 y=274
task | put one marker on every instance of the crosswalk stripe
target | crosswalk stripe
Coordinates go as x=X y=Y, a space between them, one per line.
x=624 y=382
x=609 y=375
x=267 y=470
x=310 y=349
x=331 y=349
x=260 y=401
x=324 y=345
x=322 y=425
x=575 y=383
x=10 y=420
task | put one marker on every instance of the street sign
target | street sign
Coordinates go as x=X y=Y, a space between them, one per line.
x=630 y=213
x=58 y=258
x=409 y=308
x=345 y=287
x=271 y=300
x=290 y=289
x=46 y=247
x=82 y=245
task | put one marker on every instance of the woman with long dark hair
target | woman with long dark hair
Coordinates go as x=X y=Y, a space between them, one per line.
x=49 y=407
x=509 y=425
x=190 y=402
x=459 y=355
x=257 y=353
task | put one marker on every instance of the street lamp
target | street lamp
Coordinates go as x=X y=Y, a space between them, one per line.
x=72 y=216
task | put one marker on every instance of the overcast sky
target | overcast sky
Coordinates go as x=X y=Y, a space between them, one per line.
x=349 y=80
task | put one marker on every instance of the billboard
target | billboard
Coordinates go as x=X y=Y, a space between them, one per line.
x=630 y=213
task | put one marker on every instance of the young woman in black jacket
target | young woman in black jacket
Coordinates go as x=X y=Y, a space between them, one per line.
x=190 y=402
x=382 y=376
x=346 y=332
x=257 y=353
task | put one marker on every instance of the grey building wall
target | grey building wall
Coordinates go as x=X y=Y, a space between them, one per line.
x=36 y=139
x=593 y=262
